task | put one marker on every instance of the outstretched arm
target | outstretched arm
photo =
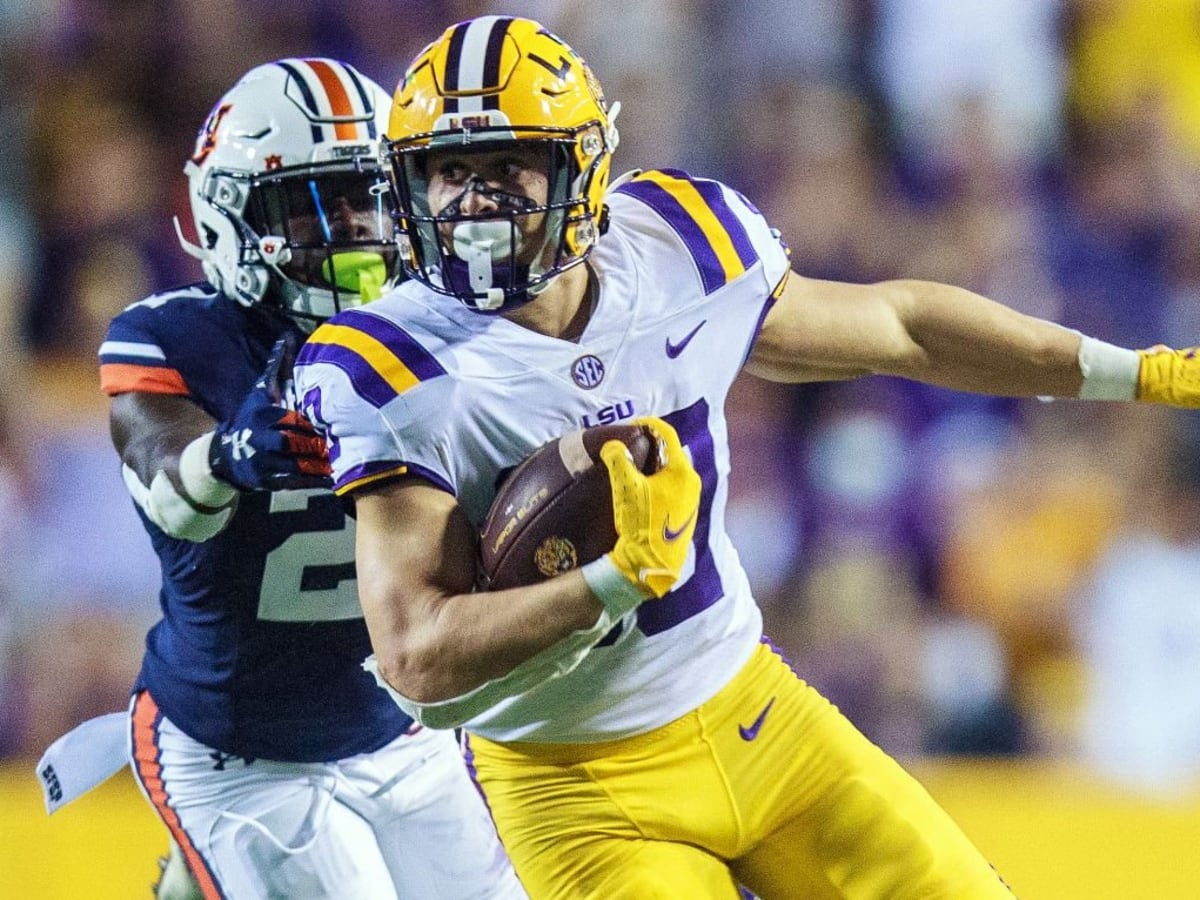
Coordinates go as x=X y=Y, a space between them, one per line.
x=948 y=336
x=935 y=333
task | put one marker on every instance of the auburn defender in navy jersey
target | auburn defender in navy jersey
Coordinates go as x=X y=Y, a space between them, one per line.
x=278 y=765
x=633 y=732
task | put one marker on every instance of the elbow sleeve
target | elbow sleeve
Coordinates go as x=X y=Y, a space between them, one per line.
x=198 y=509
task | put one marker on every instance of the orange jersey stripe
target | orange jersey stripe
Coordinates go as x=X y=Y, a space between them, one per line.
x=339 y=100
x=149 y=770
x=121 y=378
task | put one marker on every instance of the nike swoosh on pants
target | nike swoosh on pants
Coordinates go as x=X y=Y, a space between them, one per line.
x=751 y=732
x=670 y=534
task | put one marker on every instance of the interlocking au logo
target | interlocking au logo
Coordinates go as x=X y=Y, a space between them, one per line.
x=206 y=141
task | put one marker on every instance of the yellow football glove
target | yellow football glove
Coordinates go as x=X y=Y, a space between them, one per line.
x=655 y=515
x=1169 y=376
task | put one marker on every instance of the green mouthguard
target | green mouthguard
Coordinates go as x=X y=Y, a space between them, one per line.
x=360 y=271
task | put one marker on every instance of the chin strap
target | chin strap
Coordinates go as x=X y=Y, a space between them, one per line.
x=483 y=244
x=480 y=244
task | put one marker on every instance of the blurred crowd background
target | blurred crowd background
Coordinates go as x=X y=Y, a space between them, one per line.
x=961 y=575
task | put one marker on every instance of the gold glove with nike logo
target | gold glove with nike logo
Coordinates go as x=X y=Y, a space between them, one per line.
x=1169 y=376
x=655 y=515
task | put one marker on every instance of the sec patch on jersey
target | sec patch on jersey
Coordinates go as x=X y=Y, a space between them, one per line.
x=554 y=511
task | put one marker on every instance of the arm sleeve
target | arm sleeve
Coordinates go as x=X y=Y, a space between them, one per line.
x=553 y=662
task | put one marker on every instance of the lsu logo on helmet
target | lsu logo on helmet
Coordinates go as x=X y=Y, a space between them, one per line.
x=484 y=82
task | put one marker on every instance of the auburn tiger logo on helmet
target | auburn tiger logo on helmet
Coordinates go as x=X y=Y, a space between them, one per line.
x=286 y=145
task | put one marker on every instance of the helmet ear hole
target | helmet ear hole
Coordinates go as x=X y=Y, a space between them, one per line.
x=227 y=194
x=251 y=284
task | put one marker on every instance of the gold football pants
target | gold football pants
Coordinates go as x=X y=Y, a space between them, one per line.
x=766 y=785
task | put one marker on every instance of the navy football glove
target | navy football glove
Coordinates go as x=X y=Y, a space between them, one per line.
x=267 y=446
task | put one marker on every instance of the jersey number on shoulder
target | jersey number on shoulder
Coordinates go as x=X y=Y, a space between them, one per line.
x=310 y=577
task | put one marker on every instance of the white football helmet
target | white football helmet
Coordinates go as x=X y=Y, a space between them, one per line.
x=286 y=193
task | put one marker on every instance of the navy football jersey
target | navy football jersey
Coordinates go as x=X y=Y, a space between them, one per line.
x=260 y=647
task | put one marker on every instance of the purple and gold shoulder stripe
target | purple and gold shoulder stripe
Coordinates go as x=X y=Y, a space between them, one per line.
x=698 y=211
x=379 y=358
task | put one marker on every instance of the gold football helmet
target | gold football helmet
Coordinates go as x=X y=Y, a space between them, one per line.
x=484 y=82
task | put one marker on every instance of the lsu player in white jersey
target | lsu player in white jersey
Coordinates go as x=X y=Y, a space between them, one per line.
x=278 y=766
x=634 y=732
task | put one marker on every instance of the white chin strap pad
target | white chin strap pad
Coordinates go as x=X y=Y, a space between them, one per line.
x=479 y=245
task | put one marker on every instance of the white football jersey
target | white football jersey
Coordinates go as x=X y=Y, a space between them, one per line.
x=416 y=383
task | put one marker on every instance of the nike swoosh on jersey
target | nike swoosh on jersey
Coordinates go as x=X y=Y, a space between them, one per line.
x=751 y=732
x=670 y=535
x=673 y=350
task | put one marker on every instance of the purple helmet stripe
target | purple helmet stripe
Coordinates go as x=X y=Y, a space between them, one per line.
x=491 y=62
x=453 y=59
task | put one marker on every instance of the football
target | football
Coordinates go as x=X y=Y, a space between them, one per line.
x=554 y=510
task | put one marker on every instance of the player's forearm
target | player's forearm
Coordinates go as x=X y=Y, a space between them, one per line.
x=455 y=644
x=163 y=444
x=957 y=339
x=463 y=662
x=970 y=343
x=929 y=332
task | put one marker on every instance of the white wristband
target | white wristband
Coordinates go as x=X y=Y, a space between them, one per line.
x=1109 y=372
x=617 y=593
x=196 y=511
x=197 y=478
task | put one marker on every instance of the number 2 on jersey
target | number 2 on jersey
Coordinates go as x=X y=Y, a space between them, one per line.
x=310 y=577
